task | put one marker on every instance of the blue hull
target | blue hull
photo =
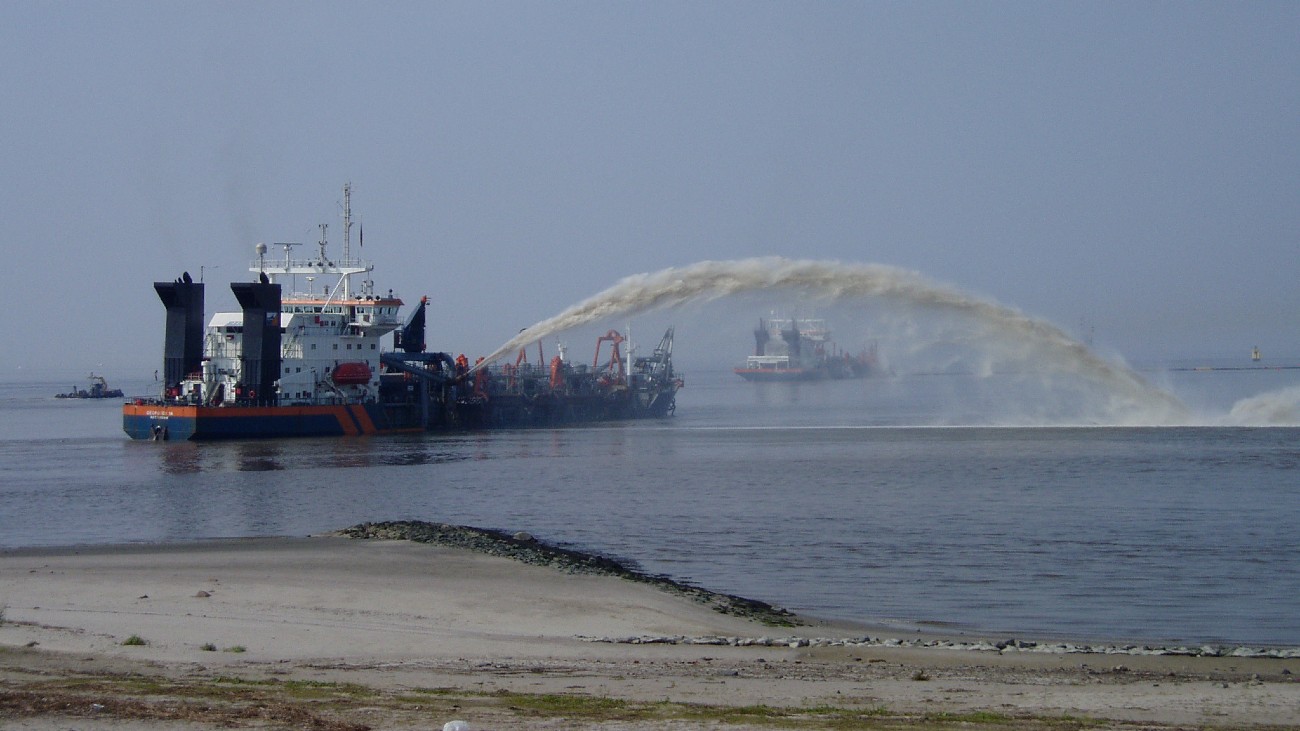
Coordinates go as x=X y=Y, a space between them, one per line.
x=180 y=423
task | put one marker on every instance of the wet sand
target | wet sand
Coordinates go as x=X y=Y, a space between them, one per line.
x=395 y=617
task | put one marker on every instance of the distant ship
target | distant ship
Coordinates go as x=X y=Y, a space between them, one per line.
x=800 y=349
x=98 y=389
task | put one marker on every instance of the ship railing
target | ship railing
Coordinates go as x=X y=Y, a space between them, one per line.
x=526 y=379
x=769 y=362
x=531 y=381
x=315 y=265
x=281 y=400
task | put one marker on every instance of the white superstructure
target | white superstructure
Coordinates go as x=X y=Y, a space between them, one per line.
x=330 y=333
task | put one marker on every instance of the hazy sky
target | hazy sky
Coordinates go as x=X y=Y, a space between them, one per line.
x=1128 y=169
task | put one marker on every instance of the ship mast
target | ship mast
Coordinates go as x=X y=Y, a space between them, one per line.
x=347 y=236
x=321 y=265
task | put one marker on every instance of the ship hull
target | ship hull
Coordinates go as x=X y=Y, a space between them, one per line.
x=782 y=375
x=171 y=422
x=520 y=412
x=167 y=422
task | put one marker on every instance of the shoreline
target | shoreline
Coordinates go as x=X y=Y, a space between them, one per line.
x=525 y=548
x=409 y=626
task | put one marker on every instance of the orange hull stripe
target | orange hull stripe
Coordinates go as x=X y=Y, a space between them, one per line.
x=363 y=418
x=345 y=420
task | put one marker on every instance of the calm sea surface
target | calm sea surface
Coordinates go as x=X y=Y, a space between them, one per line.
x=895 y=500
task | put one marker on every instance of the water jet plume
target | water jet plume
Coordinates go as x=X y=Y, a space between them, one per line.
x=834 y=281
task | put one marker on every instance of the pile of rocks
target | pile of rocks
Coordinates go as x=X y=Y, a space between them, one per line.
x=1003 y=647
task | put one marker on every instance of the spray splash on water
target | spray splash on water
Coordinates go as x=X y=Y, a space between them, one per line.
x=1275 y=408
x=1131 y=396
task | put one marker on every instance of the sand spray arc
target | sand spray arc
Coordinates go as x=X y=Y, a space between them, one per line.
x=834 y=281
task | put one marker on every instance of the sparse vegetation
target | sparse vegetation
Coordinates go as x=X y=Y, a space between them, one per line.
x=208 y=647
x=331 y=706
x=135 y=641
x=236 y=648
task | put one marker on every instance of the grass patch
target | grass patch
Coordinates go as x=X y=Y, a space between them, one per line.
x=236 y=680
x=557 y=704
x=236 y=648
x=232 y=701
x=877 y=711
x=438 y=691
x=991 y=720
x=816 y=717
x=135 y=641
x=971 y=717
x=208 y=647
x=318 y=689
x=599 y=708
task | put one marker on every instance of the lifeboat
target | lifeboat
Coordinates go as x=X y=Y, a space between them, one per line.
x=351 y=374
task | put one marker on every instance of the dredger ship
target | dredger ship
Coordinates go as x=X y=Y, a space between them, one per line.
x=315 y=363
x=800 y=349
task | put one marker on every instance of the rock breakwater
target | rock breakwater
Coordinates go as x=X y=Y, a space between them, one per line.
x=524 y=547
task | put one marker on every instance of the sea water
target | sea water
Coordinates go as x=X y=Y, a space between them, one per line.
x=911 y=501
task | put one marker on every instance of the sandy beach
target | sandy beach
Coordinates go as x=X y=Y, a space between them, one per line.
x=336 y=632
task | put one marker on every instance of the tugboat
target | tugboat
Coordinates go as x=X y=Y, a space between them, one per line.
x=98 y=389
x=313 y=364
x=800 y=349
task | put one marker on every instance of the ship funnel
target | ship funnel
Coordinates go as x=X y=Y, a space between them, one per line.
x=183 y=343
x=761 y=336
x=410 y=338
x=793 y=340
x=260 y=358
